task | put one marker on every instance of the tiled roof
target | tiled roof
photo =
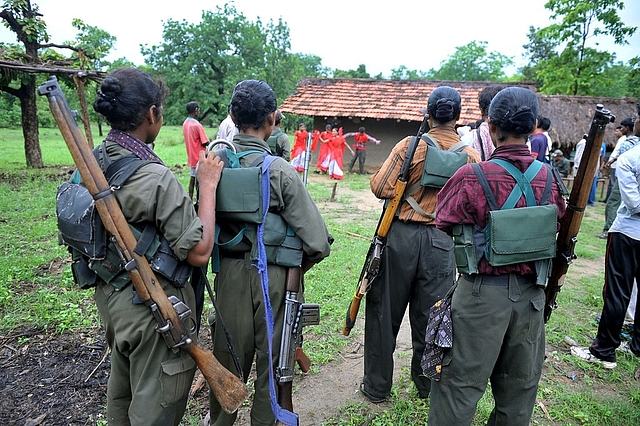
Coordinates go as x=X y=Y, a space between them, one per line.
x=377 y=99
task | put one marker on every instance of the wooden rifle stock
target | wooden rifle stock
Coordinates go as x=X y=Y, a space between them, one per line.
x=570 y=223
x=372 y=261
x=228 y=389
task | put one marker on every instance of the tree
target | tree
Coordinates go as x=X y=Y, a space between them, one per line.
x=204 y=62
x=560 y=57
x=24 y=19
x=361 y=72
x=404 y=73
x=472 y=62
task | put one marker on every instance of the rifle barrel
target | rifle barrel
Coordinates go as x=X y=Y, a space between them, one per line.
x=571 y=221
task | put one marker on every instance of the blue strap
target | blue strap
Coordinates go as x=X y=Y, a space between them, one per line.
x=284 y=416
x=523 y=181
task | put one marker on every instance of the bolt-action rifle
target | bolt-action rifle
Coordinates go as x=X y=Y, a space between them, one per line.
x=371 y=265
x=228 y=389
x=570 y=222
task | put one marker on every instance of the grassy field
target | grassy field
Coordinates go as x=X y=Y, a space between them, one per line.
x=571 y=392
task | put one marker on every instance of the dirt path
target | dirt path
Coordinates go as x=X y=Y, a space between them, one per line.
x=338 y=381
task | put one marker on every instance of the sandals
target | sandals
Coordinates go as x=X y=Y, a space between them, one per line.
x=374 y=399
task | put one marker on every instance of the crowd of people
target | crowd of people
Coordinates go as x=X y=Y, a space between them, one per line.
x=495 y=303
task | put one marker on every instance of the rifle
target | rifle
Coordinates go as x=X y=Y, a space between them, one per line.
x=296 y=316
x=228 y=389
x=371 y=265
x=307 y=160
x=570 y=223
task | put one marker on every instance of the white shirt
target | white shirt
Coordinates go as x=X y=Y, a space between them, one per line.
x=578 y=156
x=628 y=174
x=616 y=150
x=227 y=129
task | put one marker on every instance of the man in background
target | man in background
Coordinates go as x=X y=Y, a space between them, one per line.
x=227 y=129
x=279 y=141
x=195 y=140
x=538 y=142
x=559 y=162
x=361 y=139
x=622 y=265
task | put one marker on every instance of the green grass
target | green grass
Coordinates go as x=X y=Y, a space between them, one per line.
x=34 y=295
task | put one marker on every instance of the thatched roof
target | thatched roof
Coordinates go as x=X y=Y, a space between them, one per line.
x=571 y=116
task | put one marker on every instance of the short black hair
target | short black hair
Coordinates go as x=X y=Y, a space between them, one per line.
x=192 y=106
x=361 y=129
x=486 y=95
x=627 y=122
x=546 y=124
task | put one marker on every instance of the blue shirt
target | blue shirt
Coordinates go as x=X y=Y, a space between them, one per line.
x=628 y=174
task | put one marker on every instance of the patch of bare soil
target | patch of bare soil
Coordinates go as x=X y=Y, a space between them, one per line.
x=52 y=379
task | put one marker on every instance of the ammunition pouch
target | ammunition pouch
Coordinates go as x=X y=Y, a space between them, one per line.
x=281 y=243
x=111 y=269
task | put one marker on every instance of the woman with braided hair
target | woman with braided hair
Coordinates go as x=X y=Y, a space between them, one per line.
x=496 y=313
x=242 y=282
x=149 y=383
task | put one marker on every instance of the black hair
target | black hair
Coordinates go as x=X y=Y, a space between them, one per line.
x=514 y=110
x=192 y=106
x=486 y=95
x=126 y=95
x=627 y=122
x=251 y=102
x=279 y=117
x=545 y=124
x=444 y=104
x=361 y=129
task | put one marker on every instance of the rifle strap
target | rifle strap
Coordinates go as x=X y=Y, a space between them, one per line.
x=227 y=335
x=282 y=415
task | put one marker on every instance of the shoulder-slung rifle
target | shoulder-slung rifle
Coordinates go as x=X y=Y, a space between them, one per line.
x=570 y=222
x=371 y=265
x=228 y=389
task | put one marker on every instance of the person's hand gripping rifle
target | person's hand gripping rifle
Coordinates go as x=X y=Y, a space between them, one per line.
x=228 y=389
x=372 y=262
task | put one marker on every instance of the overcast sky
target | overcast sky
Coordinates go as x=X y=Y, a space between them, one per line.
x=419 y=34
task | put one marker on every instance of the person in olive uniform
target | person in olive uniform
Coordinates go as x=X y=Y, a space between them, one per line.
x=149 y=383
x=238 y=285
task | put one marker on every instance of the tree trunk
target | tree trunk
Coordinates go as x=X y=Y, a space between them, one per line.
x=30 y=123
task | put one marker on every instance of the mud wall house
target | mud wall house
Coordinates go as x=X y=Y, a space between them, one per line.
x=390 y=109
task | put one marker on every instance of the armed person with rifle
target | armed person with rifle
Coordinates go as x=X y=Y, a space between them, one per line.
x=147 y=323
x=258 y=282
x=498 y=302
x=622 y=262
x=416 y=264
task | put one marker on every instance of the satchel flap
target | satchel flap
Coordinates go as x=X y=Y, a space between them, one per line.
x=440 y=165
x=239 y=194
x=524 y=230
